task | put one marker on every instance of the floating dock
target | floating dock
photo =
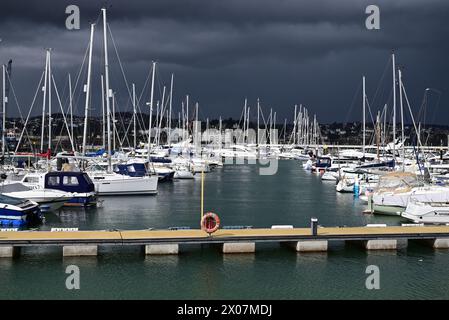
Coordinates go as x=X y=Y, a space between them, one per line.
x=80 y=243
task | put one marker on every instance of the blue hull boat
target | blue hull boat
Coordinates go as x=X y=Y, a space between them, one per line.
x=16 y=212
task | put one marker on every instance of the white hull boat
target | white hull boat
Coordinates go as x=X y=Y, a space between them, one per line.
x=424 y=194
x=427 y=212
x=48 y=199
x=183 y=173
x=117 y=184
x=329 y=176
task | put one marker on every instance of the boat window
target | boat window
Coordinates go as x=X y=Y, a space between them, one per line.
x=31 y=179
x=53 y=181
x=70 y=181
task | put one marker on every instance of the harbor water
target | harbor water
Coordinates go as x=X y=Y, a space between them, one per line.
x=240 y=196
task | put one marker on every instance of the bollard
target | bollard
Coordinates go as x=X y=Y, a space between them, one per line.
x=314 y=226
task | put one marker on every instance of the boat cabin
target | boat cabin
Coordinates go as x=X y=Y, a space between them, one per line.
x=68 y=181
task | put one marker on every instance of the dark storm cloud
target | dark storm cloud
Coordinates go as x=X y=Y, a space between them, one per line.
x=285 y=51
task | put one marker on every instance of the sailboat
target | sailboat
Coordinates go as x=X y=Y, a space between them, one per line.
x=110 y=183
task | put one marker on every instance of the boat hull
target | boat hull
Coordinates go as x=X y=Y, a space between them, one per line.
x=427 y=213
x=88 y=200
x=126 y=186
x=19 y=218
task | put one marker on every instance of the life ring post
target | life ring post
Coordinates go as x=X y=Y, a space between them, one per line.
x=202 y=194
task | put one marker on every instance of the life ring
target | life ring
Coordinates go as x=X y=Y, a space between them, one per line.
x=210 y=222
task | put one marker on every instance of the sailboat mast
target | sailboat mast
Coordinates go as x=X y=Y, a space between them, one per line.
x=187 y=115
x=113 y=122
x=394 y=106
x=71 y=106
x=258 y=111
x=162 y=111
x=44 y=102
x=151 y=108
x=244 y=121
x=299 y=125
x=103 y=113
x=247 y=125
x=107 y=90
x=402 y=119
x=87 y=88
x=294 y=126
x=364 y=117
x=378 y=133
x=220 y=139
x=183 y=120
x=134 y=117
x=169 y=114
x=197 y=138
x=3 y=109
x=49 y=100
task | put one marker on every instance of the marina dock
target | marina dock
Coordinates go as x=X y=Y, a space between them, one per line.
x=80 y=243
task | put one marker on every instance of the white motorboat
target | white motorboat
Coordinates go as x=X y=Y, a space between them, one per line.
x=119 y=184
x=183 y=172
x=427 y=212
x=48 y=199
x=329 y=176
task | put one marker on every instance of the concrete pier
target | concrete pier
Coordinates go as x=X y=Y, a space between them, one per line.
x=85 y=243
x=79 y=251
x=381 y=244
x=310 y=246
x=239 y=247
x=9 y=251
x=159 y=249
x=439 y=243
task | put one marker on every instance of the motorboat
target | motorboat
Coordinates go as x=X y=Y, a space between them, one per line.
x=18 y=212
x=120 y=184
x=48 y=199
x=427 y=212
x=77 y=183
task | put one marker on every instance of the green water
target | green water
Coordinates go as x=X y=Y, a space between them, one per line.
x=241 y=197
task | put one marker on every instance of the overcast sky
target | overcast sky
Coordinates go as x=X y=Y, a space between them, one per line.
x=285 y=52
